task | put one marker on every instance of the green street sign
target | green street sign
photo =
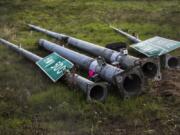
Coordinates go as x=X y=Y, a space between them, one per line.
x=54 y=66
x=156 y=46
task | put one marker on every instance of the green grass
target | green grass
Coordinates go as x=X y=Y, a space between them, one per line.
x=28 y=96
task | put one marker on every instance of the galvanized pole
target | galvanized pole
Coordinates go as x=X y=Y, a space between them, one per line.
x=93 y=91
x=148 y=67
x=167 y=60
x=130 y=37
x=129 y=82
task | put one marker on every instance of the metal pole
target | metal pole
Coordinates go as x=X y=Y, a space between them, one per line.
x=130 y=37
x=93 y=91
x=168 y=62
x=129 y=83
x=148 y=67
x=109 y=55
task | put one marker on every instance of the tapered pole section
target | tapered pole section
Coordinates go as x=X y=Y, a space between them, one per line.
x=130 y=37
x=149 y=68
x=21 y=51
x=93 y=91
x=129 y=83
x=50 y=33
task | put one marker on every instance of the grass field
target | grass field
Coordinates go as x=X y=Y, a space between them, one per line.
x=31 y=104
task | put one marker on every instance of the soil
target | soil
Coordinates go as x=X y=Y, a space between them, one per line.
x=168 y=88
x=169 y=85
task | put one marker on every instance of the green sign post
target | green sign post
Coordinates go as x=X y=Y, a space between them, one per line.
x=156 y=46
x=54 y=66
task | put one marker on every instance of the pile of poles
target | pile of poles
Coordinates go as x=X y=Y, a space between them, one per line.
x=109 y=70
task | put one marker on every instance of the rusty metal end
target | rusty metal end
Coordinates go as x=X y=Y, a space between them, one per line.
x=97 y=91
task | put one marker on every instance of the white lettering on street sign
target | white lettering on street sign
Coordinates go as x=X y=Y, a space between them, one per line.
x=156 y=46
x=54 y=66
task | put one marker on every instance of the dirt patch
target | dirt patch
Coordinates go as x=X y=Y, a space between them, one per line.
x=169 y=85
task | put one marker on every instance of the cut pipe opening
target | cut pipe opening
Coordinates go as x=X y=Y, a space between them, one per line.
x=97 y=92
x=132 y=83
x=150 y=69
x=172 y=62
